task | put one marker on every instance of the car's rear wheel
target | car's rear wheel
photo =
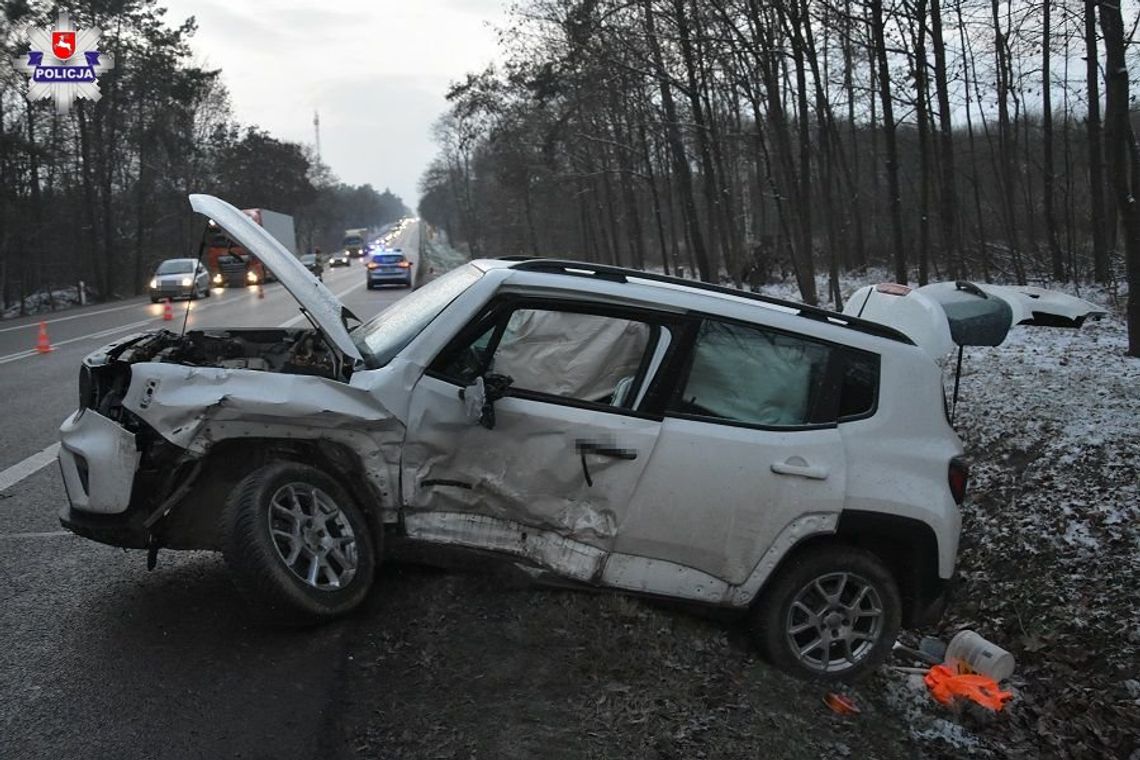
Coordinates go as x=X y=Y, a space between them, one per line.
x=297 y=544
x=832 y=613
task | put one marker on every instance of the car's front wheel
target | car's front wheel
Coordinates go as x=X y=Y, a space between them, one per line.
x=832 y=613
x=297 y=544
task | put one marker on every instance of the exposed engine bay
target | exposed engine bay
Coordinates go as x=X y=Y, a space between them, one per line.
x=297 y=351
x=300 y=351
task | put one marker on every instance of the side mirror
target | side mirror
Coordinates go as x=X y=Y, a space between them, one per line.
x=479 y=398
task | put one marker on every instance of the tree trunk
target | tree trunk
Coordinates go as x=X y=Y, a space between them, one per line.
x=889 y=135
x=923 y=145
x=700 y=127
x=1123 y=158
x=680 y=160
x=1005 y=143
x=1048 y=172
x=1096 y=151
x=651 y=180
x=949 y=201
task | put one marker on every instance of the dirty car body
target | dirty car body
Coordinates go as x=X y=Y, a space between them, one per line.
x=601 y=426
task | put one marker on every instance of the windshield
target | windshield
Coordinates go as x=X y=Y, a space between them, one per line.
x=353 y=242
x=392 y=329
x=175 y=266
x=309 y=258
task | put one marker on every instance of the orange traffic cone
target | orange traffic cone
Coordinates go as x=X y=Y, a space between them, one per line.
x=167 y=310
x=43 y=345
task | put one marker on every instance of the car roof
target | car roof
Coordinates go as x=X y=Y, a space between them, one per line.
x=693 y=293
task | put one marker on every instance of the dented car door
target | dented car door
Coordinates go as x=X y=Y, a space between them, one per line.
x=548 y=475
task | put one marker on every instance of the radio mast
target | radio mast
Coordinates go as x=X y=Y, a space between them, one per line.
x=317 y=132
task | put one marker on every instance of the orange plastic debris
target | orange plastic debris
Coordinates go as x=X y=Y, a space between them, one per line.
x=945 y=685
x=841 y=704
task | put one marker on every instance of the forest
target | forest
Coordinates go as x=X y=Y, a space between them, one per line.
x=99 y=194
x=745 y=141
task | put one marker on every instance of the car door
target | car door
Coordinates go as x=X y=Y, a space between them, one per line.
x=552 y=475
x=748 y=450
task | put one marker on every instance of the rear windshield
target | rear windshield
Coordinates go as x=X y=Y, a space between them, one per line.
x=175 y=266
x=388 y=258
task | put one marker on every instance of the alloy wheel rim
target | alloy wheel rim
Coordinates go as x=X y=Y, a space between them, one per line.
x=313 y=536
x=834 y=622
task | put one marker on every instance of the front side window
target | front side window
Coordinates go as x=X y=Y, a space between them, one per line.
x=753 y=376
x=585 y=357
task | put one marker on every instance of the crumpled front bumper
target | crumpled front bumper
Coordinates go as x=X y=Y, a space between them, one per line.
x=98 y=459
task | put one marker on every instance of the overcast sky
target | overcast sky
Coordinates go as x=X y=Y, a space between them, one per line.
x=376 y=71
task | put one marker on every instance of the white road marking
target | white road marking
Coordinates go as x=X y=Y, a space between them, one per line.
x=179 y=315
x=45 y=534
x=101 y=334
x=33 y=325
x=28 y=467
x=39 y=460
x=300 y=317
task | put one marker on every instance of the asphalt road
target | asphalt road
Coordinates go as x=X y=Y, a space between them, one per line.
x=98 y=657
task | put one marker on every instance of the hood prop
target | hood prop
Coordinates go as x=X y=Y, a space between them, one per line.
x=194 y=280
x=957 y=381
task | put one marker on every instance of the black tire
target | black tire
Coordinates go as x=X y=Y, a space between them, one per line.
x=207 y=292
x=772 y=618
x=260 y=571
x=154 y=300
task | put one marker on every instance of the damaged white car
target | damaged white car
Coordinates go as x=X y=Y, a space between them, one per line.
x=602 y=426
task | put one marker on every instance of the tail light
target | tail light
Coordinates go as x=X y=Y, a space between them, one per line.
x=372 y=265
x=959 y=476
x=405 y=265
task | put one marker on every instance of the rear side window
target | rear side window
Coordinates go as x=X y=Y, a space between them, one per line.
x=859 y=387
x=753 y=376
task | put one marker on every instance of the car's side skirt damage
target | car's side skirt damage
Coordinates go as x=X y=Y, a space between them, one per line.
x=575 y=560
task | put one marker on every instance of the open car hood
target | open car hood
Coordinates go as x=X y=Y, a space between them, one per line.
x=942 y=315
x=324 y=308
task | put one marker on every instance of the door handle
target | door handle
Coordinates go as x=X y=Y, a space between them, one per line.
x=585 y=447
x=605 y=450
x=799 y=467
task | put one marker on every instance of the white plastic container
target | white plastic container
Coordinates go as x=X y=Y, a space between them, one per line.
x=970 y=653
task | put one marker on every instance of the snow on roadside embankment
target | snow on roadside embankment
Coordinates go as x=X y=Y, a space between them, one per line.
x=1050 y=554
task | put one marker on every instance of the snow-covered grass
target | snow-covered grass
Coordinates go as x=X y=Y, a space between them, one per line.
x=45 y=301
x=1050 y=552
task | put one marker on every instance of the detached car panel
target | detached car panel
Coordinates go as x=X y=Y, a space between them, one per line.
x=98 y=459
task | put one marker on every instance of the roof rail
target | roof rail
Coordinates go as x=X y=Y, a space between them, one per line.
x=623 y=274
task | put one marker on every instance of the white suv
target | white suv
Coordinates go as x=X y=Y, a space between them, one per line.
x=607 y=426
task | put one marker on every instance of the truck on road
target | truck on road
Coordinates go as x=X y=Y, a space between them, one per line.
x=231 y=265
x=355 y=241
